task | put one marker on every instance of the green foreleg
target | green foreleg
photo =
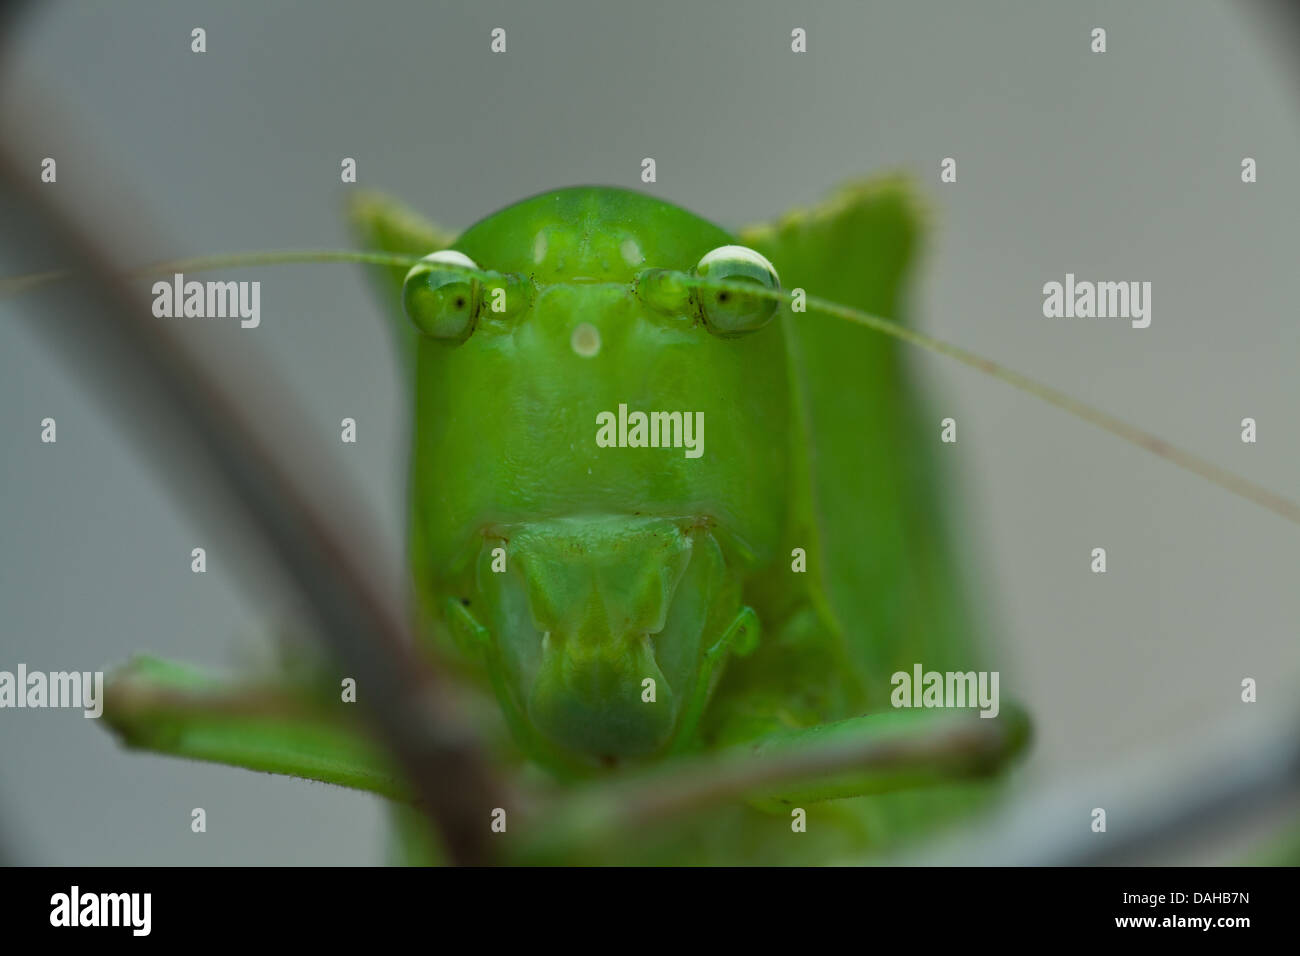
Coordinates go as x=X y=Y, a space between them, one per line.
x=172 y=709
x=896 y=750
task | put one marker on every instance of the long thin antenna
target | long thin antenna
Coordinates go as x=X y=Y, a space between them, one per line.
x=1157 y=446
x=1228 y=480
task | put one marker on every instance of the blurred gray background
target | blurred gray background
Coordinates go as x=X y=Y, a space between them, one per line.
x=1116 y=166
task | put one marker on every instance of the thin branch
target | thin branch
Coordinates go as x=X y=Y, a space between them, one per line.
x=205 y=408
x=1152 y=806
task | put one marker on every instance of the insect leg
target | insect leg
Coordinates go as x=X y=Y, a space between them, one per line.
x=740 y=637
x=169 y=708
x=897 y=750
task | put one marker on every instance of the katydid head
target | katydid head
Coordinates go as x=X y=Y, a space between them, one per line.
x=564 y=490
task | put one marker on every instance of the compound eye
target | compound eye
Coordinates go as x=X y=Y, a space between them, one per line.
x=441 y=301
x=726 y=311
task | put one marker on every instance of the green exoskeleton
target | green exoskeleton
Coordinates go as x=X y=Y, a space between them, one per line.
x=654 y=514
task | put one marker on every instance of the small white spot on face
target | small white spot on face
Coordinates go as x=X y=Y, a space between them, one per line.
x=631 y=252
x=585 y=339
x=539 y=247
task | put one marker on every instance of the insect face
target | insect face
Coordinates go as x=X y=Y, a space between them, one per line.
x=621 y=561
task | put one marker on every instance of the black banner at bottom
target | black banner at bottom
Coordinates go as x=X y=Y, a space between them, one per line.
x=331 y=906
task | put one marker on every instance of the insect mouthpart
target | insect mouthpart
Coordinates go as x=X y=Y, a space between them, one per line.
x=598 y=627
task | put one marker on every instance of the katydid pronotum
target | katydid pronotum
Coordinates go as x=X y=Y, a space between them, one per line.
x=632 y=606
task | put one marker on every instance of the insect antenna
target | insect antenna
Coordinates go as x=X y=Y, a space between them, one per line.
x=1121 y=429
x=1229 y=481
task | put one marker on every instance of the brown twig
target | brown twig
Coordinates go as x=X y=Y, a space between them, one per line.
x=1155 y=806
x=200 y=408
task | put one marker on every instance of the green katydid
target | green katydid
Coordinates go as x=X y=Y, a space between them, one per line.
x=633 y=606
